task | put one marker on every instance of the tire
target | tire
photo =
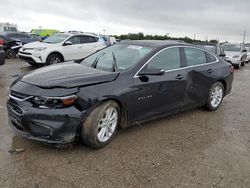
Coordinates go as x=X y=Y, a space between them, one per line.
x=53 y=59
x=10 y=54
x=95 y=131
x=243 y=64
x=237 y=66
x=211 y=103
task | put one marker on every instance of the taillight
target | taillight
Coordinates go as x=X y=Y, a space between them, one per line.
x=1 y=42
x=232 y=68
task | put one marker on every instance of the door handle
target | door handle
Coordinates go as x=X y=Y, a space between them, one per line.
x=179 y=77
x=210 y=71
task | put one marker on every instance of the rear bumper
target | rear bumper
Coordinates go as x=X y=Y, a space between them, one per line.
x=229 y=84
x=51 y=126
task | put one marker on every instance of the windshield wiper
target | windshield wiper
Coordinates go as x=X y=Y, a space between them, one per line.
x=114 y=65
x=96 y=60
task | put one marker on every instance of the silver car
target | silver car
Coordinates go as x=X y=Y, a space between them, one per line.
x=235 y=54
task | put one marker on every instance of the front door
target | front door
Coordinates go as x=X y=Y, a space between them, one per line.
x=160 y=94
x=73 y=51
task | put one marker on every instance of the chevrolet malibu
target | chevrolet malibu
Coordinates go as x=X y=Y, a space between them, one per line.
x=129 y=82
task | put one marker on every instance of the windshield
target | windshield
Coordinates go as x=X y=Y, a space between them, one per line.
x=117 y=57
x=56 y=38
x=210 y=48
x=234 y=48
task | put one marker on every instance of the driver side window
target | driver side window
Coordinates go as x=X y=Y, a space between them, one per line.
x=75 y=40
x=167 y=60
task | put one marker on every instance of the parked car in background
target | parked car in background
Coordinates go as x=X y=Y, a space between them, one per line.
x=61 y=47
x=43 y=33
x=112 y=40
x=6 y=28
x=2 y=53
x=10 y=46
x=247 y=46
x=126 y=83
x=23 y=37
x=235 y=54
x=105 y=39
x=214 y=48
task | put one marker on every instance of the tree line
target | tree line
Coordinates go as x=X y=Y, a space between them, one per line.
x=141 y=36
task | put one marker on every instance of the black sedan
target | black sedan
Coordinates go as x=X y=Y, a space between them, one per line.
x=129 y=82
x=10 y=46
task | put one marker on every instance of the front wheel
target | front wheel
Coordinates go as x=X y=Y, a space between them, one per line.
x=53 y=59
x=101 y=125
x=215 y=96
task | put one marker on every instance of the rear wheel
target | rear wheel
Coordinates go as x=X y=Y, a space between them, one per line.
x=237 y=66
x=242 y=63
x=101 y=125
x=215 y=96
x=53 y=59
x=10 y=53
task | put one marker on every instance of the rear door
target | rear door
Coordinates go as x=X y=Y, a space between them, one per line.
x=160 y=94
x=89 y=45
x=200 y=70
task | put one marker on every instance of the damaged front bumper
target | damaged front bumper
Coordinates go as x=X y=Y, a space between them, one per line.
x=51 y=126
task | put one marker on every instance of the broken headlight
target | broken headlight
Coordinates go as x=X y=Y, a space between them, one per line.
x=54 y=102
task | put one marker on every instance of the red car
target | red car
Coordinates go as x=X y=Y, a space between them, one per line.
x=2 y=53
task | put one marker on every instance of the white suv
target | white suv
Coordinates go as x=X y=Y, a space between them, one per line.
x=61 y=47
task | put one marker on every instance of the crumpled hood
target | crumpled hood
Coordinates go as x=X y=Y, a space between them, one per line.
x=232 y=53
x=67 y=75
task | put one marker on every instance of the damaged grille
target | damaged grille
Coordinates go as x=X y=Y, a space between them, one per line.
x=14 y=108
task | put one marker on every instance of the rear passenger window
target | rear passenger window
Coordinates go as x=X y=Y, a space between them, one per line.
x=195 y=56
x=210 y=58
x=167 y=60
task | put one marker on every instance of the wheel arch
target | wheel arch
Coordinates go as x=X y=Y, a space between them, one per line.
x=124 y=115
x=224 y=84
x=57 y=53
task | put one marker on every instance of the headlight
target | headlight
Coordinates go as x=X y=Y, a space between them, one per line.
x=54 y=102
x=40 y=49
x=236 y=56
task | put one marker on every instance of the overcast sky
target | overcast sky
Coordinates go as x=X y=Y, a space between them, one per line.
x=211 y=19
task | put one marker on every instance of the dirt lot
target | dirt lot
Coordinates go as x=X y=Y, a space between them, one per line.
x=193 y=149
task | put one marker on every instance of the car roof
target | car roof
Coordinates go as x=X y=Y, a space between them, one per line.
x=205 y=43
x=233 y=44
x=153 y=43
x=72 y=33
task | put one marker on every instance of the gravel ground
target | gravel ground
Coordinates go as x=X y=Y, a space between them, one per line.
x=193 y=149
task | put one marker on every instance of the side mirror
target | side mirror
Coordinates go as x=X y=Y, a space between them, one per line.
x=67 y=43
x=244 y=50
x=155 y=72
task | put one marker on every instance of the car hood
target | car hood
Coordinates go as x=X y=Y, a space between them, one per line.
x=232 y=53
x=36 y=44
x=67 y=75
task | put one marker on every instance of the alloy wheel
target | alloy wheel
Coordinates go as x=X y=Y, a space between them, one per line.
x=107 y=124
x=11 y=54
x=216 y=97
x=55 y=60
